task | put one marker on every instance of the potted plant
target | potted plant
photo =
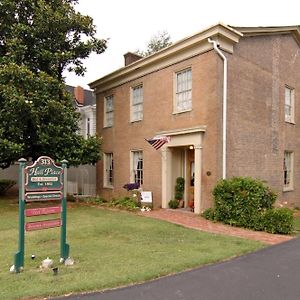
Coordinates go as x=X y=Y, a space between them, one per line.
x=173 y=203
x=179 y=191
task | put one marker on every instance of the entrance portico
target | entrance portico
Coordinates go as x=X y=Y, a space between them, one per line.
x=175 y=163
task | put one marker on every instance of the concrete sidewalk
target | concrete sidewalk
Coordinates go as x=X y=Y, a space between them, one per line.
x=272 y=273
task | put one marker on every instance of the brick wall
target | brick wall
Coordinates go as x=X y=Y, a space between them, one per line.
x=257 y=132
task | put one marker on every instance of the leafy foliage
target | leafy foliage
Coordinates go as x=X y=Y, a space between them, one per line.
x=38 y=40
x=245 y=202
x=179 y=188
x=156 y=43
x=47 y=36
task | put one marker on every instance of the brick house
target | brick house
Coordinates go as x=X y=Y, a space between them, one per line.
x=228 y=99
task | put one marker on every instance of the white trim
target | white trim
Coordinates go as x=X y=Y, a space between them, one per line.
x=132 y=119
x=176 y=110
x=105 y=177
x=106 y=98
x=290 y=186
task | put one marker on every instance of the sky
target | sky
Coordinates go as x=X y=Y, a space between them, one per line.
x=129 y=24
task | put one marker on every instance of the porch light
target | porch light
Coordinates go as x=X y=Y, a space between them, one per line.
x=191 y=147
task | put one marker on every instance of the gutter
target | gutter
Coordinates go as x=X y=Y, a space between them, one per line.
x=224 y=146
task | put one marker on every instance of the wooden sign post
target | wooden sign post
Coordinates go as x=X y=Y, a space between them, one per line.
x=42 y=181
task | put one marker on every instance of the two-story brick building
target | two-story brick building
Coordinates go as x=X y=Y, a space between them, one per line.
x=228 y=99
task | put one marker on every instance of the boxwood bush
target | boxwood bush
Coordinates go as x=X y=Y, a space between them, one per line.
x=247 y=202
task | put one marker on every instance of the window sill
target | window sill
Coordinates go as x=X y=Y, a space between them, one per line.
x=136 y=121
x=110 y=187
x=290 y=122
x=288 y=189
x=105 y=127
x=181 y=111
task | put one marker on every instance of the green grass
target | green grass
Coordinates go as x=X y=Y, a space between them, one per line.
x=110 y=249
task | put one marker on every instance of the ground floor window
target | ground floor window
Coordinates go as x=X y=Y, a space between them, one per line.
x=136 y=174
x=288 y=170
x=108 y=170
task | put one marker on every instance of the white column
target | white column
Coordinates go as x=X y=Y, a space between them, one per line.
x=166 y=192
x=198 y=179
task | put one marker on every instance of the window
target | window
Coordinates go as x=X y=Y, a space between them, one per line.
x=136 y=167
x=288 y=170
x=109 y=111
x=108 y=170
x=183 y=91
x=289 y=107
x=88 y=127
x=137 y=103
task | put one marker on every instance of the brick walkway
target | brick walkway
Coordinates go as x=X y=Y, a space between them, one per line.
x=190 y=220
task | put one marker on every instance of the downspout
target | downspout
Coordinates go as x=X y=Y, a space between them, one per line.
x=215 y=45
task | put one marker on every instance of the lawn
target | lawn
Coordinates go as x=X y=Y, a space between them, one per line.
x=110 y=249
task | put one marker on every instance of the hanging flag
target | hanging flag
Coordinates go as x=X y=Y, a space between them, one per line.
x=158 y=141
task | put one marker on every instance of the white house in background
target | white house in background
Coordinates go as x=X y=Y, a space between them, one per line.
x=82 y=179
x=85 y=102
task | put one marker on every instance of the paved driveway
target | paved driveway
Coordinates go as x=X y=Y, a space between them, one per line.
x=271 y=273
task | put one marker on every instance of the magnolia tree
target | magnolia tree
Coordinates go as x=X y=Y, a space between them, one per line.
x=39 y=39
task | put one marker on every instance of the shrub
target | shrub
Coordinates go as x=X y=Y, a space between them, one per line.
x=174 y=203
x=5 y=184
x=278 y=220
x=239 y=199
x=209 y=214
x=124 y=203
x=246 y=202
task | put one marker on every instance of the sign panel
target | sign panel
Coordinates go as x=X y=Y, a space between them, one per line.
x=146 y=197
x=43 y=176
x=31 y=226
x=31 y=212
x=43 y=196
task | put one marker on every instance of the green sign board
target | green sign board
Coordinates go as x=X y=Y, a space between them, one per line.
x=43 y=175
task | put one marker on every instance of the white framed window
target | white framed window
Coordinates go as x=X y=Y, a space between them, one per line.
x=288 y=170
x=289 y=105
x=137 y=100
x=108 y=170
x=136 y=169
x=183 y=91
x=109 y=111
x=88 y=127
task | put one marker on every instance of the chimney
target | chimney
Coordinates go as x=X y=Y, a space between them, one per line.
x=130 y=58
x=79 y=94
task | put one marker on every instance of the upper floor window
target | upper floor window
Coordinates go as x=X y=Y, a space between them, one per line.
x=288 y=170
x=137 y=103
x=289 y=105
x=108 y=170
x=108 y=111
x=136 y=167
x=183 y=91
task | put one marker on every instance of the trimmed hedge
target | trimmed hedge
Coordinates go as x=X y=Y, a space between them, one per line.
x=246 y=202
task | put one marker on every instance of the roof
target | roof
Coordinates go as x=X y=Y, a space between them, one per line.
x=225 y=35
x=89 y=97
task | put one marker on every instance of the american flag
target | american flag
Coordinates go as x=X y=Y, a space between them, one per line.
x=158 y=141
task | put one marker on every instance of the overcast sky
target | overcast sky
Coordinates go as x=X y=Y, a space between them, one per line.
x=129 y=24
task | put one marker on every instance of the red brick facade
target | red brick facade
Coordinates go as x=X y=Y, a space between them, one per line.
x=259 y=67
